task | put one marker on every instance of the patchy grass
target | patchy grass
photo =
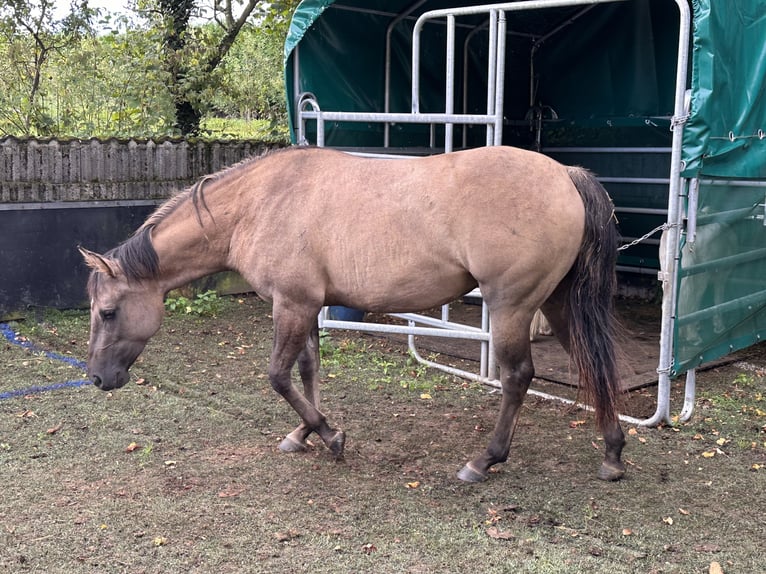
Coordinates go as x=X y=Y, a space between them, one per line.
x=181 y=473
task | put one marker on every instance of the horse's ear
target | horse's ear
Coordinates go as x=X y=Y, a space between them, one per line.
x=100 y=263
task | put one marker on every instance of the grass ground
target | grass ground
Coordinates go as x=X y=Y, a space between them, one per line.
x=180 y=472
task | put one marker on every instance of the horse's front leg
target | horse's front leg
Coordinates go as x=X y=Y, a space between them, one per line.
x=516 y=372
x=308 y=367
x=297 y=338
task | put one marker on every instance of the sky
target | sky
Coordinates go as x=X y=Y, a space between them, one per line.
x=114 y=6
x=61 y=9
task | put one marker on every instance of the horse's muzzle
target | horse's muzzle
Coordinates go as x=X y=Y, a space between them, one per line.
x=119 y=379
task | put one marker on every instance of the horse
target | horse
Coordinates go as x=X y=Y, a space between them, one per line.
x=308 y=227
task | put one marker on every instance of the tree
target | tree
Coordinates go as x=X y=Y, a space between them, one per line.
x=193 y=54
x=32 y=34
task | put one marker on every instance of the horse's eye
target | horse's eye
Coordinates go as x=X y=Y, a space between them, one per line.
x=108 y=314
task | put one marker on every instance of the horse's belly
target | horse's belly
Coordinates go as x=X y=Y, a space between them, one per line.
x=387 y=288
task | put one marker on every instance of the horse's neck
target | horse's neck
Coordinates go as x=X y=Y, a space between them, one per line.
x=188 y=250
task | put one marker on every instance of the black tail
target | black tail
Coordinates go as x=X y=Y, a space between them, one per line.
x=592 y=325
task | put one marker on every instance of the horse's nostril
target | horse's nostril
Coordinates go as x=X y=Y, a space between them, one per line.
x=96 y=380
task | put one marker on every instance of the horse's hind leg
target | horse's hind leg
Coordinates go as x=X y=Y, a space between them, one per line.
x=556 y=309
x=308 y=367
x=513 y=353
x=293 y=327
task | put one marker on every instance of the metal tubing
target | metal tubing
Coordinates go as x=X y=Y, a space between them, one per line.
x=500 y=82
x=387 y=82
x=449 y=88
x=491 y=73
x=434 y=322
x=404 y=330
x=466 y=66
x=675 y=217
x=402 y=118
x=689 y=392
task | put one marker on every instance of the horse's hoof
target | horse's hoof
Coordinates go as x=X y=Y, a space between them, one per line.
x=610 y=471
x=469 y=474
x=337 y=444
x=291 y=445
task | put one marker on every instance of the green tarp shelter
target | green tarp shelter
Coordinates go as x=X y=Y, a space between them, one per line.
x=598 y=83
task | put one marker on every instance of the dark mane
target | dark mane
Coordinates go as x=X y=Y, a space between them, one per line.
x=136 y=257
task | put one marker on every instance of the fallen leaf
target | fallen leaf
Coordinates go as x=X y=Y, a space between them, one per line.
x=413 y=484
x=54 y=430
x=575 y=424
x=715 y=568
x=141 y=381
x=425 y=396
x=497 y=534
x=684 y=511
x=721 y=441
x=708 y=454
x=632 y=432
x=160 y=541
x=668 y=520
x=132 y=447
x=627 y=532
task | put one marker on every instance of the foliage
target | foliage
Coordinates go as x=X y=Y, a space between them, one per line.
x=193 y=54
x=31 y=35
x=203 y=304
x=96 y=74
x=271 y=131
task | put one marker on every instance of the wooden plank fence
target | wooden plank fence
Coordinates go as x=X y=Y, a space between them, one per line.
x=37 y=171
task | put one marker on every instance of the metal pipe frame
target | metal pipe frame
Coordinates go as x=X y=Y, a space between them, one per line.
x=494 y=120
x=672 y=247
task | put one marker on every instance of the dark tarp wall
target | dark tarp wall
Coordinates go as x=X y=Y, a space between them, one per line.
x=609 y=65
x=39 y=258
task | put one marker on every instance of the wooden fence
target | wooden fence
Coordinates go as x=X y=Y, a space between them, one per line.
x=36 y=171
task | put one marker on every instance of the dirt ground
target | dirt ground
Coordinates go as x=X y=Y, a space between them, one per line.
x=180 y=472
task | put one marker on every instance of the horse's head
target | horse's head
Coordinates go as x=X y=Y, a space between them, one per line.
x=124 y=314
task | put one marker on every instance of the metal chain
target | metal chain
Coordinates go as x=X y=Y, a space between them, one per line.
x=662 y=227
